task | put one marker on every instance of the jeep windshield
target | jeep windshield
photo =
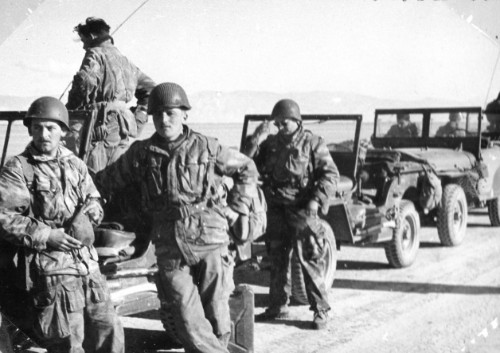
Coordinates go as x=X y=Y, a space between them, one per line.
x=428 y=128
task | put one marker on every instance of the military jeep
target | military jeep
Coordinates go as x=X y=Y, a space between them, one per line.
x=451 y=165
x=126 y=254
x=354 y=218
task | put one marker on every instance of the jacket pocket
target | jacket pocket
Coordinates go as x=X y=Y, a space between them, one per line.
x=214 y=227
x=297 y=165
x=191 y=175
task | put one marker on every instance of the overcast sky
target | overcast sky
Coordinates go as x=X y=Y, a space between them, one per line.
x=384 y=48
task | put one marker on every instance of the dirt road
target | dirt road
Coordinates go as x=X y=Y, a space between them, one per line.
x=448 y=301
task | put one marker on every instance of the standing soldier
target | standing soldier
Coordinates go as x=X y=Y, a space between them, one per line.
x=299 y=177
x=179 y=173
x=46 y=194
x=106 y=81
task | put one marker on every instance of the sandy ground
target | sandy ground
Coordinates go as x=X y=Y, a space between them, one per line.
x=447 y=301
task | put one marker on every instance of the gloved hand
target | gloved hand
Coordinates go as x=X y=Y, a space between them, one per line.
x=59 y=240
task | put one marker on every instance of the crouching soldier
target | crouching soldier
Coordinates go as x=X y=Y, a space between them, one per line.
x=299 y=178
x=48 y=205
x=178 y=173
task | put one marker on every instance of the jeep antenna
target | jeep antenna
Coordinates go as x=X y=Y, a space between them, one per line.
x=112 y=33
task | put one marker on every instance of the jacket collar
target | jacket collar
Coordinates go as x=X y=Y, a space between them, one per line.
x=37 y=156
x=101 y=41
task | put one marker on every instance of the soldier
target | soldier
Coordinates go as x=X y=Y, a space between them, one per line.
x=178 y=173
x=452 y=127
x=403 y=128
x=299 y=178
x=106 y=81
x=492 y=112
x=46 y=194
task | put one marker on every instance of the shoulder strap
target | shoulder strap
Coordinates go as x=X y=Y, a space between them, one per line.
x=28 y=170
x=209 y=188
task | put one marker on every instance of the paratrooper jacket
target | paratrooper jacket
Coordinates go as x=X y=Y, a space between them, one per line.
x=106 y=76
x=37 y=198
x=296 y=169
x=180 y=186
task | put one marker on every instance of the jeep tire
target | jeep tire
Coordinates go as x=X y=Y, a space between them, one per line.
x=452 y=216
x=494 y=212
x=402 y=250
x=299 y=293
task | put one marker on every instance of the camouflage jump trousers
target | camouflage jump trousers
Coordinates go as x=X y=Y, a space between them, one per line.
x=197 y=298
x=287 y=231
x=70 y=308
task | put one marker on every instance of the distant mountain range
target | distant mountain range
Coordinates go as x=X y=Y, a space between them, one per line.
x=218 y=107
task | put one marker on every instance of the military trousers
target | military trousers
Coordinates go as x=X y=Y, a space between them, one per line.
x=75 y=315
x=292 y=230
x=197 y=297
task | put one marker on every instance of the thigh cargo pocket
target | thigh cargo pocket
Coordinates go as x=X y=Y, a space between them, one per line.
x=53 y=305
x=98 y=288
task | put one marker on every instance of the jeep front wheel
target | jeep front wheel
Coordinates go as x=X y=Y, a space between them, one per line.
x=494 y=212
x=402 y=250
x=452 y=216
x=299 y=293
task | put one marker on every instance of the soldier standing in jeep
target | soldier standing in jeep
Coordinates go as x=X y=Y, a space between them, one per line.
x=106 y=81
x=47 y=204
x=179 y=175
x=299 y=179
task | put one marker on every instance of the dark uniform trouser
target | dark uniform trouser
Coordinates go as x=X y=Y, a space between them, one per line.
x=287 y=232
x=76 y=315
x=197 y=297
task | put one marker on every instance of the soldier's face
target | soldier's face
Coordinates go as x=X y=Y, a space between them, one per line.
x=86 y=40
x=46 y=136
x=168 y=123
x=286 y=126
x=403 y=123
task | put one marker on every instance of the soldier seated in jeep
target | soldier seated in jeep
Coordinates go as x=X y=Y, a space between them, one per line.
x=403 y=128
x=453 y=127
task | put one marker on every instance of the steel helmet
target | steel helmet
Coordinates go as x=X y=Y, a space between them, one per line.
x=47 y=108
x=167 y=95
x=286 y=108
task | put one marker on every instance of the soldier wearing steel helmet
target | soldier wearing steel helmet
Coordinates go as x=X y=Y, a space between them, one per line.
x=403 y=127
x=492 y=112
x=299 y=178
x=42 y=193
x=179 y=175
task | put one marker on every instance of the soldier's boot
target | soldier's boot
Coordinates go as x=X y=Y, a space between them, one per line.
x=273 y=313
x=320 y=320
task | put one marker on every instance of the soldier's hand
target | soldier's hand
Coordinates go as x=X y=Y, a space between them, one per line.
x=312 y=208
x=59 y=240
x=230 y=215
x=94 y=211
